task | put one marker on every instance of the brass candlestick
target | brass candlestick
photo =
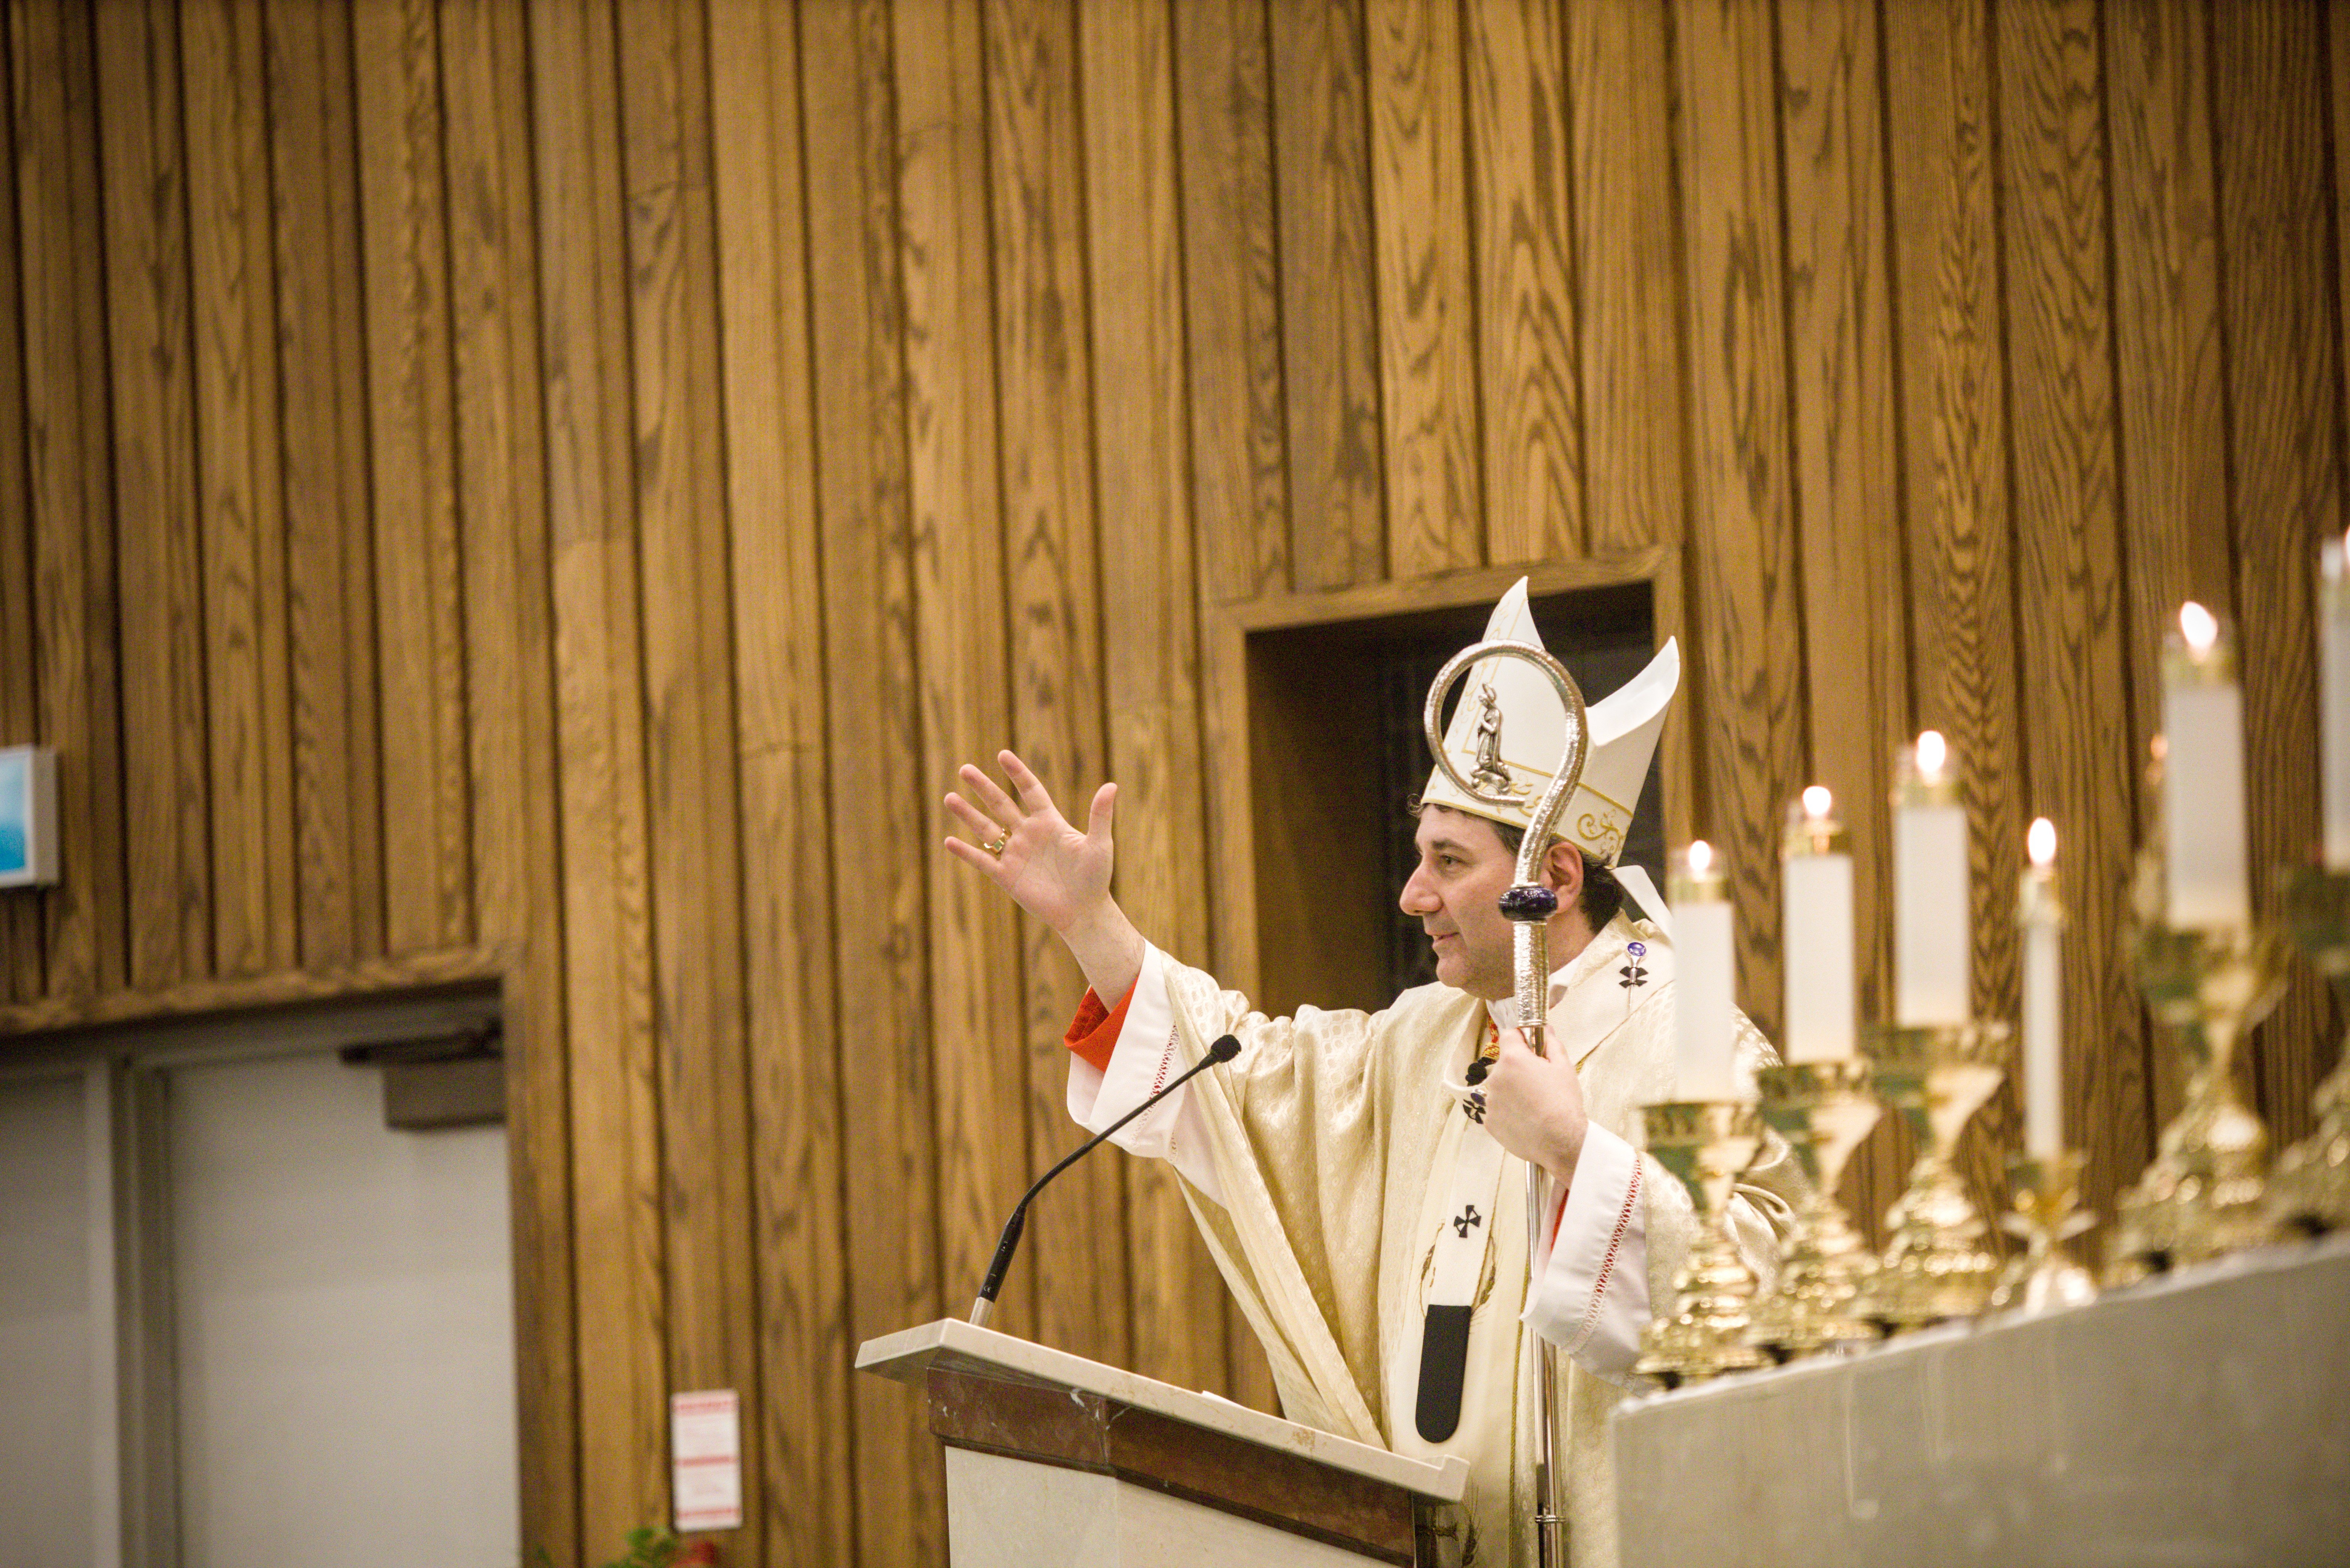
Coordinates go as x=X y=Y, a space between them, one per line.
x=1824 y=1109
x=1705 y=1144
x=1937 y=1265
x=2311 y=1187
x=2205 y=1193
x=2047 y=1214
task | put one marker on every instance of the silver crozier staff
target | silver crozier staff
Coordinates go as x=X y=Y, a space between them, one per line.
x=1527 y=906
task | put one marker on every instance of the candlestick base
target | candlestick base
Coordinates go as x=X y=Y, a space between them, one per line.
x=2047 y=1214
x=1824 y=1109
x=1937 y=1265
x=2205 y=1194
x=1705 y=1144
x=2310 y=1188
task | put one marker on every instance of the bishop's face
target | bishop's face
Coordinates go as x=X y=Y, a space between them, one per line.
x=1456 y=893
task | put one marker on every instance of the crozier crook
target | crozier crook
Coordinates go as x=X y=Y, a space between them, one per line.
x=1528 y=905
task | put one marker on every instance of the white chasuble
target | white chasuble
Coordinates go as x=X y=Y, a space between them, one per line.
x=1327 y=1165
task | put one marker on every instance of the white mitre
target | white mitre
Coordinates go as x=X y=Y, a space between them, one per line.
x=1523 y=729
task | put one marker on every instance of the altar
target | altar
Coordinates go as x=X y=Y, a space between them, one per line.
x=2196 y=1417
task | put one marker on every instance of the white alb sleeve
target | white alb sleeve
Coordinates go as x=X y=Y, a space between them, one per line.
x=1589 y=1289
x=1145 y=1058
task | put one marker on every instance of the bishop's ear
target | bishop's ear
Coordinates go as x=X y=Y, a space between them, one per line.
x=1563 y=871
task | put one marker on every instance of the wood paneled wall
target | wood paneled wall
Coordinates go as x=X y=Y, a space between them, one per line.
x=550 y=491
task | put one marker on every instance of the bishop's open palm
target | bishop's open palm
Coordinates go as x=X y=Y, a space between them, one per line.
x=1051 y=869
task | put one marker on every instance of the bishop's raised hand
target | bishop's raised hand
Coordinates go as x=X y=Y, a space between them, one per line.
x=1026 y=847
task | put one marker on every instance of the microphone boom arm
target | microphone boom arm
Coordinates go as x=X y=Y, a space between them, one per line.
x=1225 y=1048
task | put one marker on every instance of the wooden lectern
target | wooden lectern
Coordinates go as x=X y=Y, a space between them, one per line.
x=1055 y=1460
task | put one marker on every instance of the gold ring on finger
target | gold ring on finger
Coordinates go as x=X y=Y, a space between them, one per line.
x=996 y=846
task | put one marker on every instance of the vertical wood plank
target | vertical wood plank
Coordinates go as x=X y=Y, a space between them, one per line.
x=794 y=1034
x=2167 y=370
x=1627 y=272
x=410 y=439
x=1529 y=405
x=1954 y=458
x=1846 y=462
x=54 y=72
x=500 y=503
x=1231 y=281
x=20 y=696
x=1150 y=653
x=329 y=551
x=240 y=519
x=696 y=852
x=1427 y=333
x=1052 y=572
x=1741 y=521
x=878 y=811
x=2268 y=69
x=959 y=594
x=2068 y=549
x=1329 y=291
x=616 y=1177
x=166 y=788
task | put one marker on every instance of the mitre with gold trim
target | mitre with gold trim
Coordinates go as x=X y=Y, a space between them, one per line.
x=1508 y=727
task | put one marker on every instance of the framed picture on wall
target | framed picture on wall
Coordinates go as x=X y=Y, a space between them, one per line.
x=28 y=810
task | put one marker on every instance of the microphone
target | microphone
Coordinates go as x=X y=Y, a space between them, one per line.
x=1225 y=1048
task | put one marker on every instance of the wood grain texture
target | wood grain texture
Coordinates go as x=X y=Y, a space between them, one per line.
x=1846 y=474
x=2269 y=69
x=509 y=659
x=241 y=522
x=53 y=73
x=695 y=850
x=165 y=778
x=796 y=1136
x=1742 y=527
x=1529 y=383
x=428 y=882
x=1627 y=272
x=20 y=697
x=1052 y=571
x=1425 y=304
x=1150 y=652
x=878 y=808
x=2167 y=369
x=459 y=968
x=1939 y=99
x=1329 y=290
x=1232 y=286
x=953 y=488
x=329 y=551
x=610 y=1007
x=2069 y=552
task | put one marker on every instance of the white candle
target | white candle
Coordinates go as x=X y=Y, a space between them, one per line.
x=2203 y=781
x=1816 y=937
x=1930 y=889
x=2333 y=689
x=2042 y=920
x=1704 y=975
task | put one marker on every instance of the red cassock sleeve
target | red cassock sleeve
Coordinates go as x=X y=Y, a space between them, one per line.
x=1093 y=1034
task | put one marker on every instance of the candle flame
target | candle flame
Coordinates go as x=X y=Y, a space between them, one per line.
x=1818 y=803
x=1700 y=858
x=2041 y=841
x=2200 y=626
x=1933 y=753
